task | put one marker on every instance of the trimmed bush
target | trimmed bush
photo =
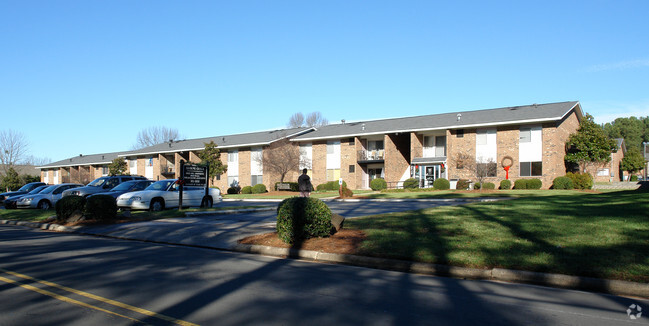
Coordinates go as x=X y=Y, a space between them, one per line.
x=330 y=185
x=520 y=184
x=300 y=218
x=247 y=190
x=69 y=205
x=633 y=178
x=378 y=184
x=488 y=186
x=505 y=184
x=462 y=184
x=441 y=184
x=259 y=188
x=411 y=183
x=234 y=190
x=534 y=184
x=293 y=185
x=347 y=192
x=562 y=183
x=581 y=180
x=100 y=208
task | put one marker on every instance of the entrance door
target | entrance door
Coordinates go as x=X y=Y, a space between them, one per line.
x=148 y=168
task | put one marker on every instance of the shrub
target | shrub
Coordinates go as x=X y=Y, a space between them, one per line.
x=321 y=187
x=462 y=184
x=534 y=184
x=411 y=183
x=347 y=193
x=378 y=184
x=488 y=186
x=441 y=184
x=520 y=184
x=69 y=205
x=562 y=183
x=505 y=184
x=247 y=190
x=234 y=190
x=293 y=185
x=634 y=178
x=330 y=185
x=581 y=180
x=259 y=188
x=300 y=218
x=100 y=207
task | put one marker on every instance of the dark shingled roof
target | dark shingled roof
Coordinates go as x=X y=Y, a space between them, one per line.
x=455 y=120
x=93 y=159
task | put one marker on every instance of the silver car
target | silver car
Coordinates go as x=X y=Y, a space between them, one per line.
x=47 y=198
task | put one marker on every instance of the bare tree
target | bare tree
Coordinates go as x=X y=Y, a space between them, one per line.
x=485 y=168
x=155 y=135
x=37 y=161
x=296 y=120
x=13 y=148
x=314 y=119
x=280 y=157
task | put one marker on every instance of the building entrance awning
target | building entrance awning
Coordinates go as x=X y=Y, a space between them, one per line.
x=428 y=160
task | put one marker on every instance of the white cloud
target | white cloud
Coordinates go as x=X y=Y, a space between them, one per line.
x=608 y=111
x=640 y=63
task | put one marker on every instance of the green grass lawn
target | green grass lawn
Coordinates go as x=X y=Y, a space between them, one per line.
x=602 y=235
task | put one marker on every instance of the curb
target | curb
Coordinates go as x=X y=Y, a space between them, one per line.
x=615 y=287
x=230 y=211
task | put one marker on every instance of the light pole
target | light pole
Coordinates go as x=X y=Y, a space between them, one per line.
x=646 y=158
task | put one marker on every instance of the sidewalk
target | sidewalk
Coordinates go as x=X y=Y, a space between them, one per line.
x=221 y=230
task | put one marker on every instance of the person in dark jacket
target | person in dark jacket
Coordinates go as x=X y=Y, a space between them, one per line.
x=304 y=184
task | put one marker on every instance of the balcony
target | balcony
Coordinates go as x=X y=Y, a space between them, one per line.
x=168 y=171
x=371 y=156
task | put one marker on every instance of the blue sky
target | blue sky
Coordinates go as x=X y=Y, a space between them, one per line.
x=86 y=76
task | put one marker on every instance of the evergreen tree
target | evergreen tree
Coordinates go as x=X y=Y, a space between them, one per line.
x=632 y=161
x=212 y=155
x=117 y=166
x=11 y=181
x=589 y=144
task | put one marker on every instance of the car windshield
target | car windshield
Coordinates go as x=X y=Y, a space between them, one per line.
x=26 y=188
x=48 y=190
x=97 y=182
x=124 y=186
x=37 y=190
x=160 y=185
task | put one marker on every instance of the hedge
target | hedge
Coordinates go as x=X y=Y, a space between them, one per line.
x=100 y=207
x=69 y=205
x=562 y=183
x=505 y=184
x=441 y=184
x=247 y=190
x=259 y=188
x=378 y=184
x=581 y=180
x=411 y=183
x=300 y=218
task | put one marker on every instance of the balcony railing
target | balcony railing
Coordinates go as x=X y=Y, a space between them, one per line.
x=371 y=155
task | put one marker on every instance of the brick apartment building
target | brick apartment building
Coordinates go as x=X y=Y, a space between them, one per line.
x=531 y=138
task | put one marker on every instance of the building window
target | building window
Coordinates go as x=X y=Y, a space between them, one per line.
x=525 y=135
x=481 y=137
x=460 y=133
x=104 y=170
x=256 y=179
x=233 y=180
x=602 y=173
x=333 y=174
x=531 y=169
x=352 y=168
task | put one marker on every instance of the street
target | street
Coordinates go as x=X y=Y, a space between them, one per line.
x=49 y=278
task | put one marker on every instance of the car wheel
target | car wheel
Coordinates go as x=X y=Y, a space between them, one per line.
x=44 y=204
x=207 y=202
x=157 y=205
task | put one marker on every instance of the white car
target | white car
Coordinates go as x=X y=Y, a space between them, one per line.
x=164 y=194
x=46 y=198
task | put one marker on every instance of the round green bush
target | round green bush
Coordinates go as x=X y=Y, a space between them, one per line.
x=233 y=190
x=300 y=218
x=633 y=178
x=247 y=190
x=534 y=184
x=347 y=192
x=562 y=183
x=330 y=185
x=69 y=205
x=581 y=180
x=321 y=187
x=100 y=208
x=378 y=184
x=488 y=186
x=463 y=184
x=520 y=184
x=505 y=184
x=259 y=188
x=441 y=184
x=411 y=183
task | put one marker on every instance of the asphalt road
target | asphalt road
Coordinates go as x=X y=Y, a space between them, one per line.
x=51 y=278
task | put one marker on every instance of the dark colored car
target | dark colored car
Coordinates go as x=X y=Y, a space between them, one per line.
x=10 y=202
x=23 y=190
x=102 y=184
x=124 y=187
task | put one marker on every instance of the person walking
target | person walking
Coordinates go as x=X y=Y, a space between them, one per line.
x=304 y=184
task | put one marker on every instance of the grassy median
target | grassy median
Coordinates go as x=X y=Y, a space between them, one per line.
x=578 y=233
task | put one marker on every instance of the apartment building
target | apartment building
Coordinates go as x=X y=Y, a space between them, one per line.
x=531 y=139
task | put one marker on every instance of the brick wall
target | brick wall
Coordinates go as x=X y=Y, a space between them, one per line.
x=417 y=145
x=507 y=138
x=456 y=146
x=397 y=154
x=244 y=167
x=348 y=157
x=319 y=163
x=555 y=136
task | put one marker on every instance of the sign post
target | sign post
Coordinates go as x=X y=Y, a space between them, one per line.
x=194 y=176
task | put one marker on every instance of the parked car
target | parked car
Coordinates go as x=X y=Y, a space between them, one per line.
x=164 y=194
x=46 y=198
x=23 y=190
x=124 y=187
x=101 y=185
x=11 y=201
